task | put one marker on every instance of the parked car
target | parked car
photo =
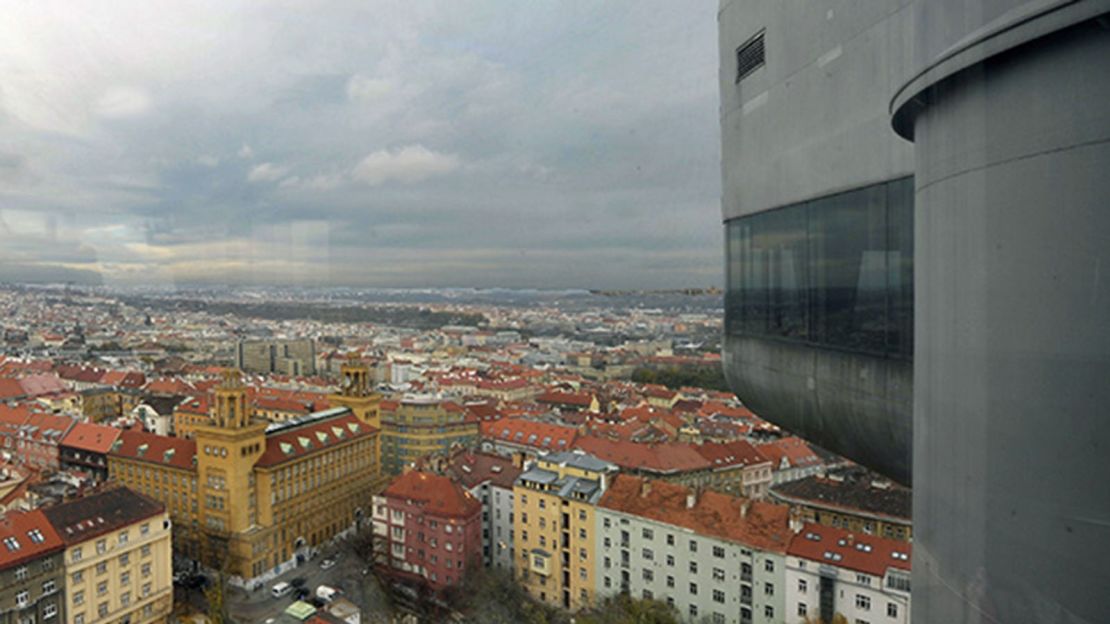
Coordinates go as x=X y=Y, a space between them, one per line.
x=297 y=582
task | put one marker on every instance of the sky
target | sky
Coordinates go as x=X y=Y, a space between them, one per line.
x=540 y=144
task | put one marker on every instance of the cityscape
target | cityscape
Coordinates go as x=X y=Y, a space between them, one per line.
x=632 y=312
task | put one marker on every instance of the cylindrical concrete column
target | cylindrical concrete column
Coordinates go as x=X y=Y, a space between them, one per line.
x=1012 y=330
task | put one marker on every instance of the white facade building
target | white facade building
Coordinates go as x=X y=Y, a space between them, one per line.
x=713 y=557
x=831 y=571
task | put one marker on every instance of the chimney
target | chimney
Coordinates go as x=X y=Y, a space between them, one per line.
x=645 y=488
x=744 y=507
x=518 y=460
x=795 y=520
x=691 y=498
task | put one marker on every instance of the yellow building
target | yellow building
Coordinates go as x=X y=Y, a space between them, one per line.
x=118 y=557
x=420 y=425
x=553 y=525
x=254 y=498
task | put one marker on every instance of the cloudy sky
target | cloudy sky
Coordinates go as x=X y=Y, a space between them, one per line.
x=456 y=143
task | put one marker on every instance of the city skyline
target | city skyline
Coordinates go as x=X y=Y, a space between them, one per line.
x=423 y=145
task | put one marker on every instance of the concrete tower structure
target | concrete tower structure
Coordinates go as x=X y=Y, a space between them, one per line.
x=915 y=202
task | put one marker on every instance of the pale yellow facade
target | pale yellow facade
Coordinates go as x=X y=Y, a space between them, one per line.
x=123 y=575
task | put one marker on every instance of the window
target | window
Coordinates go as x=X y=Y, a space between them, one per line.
x=145 y=569
x=11 y=543
x=102 y=609
x=79 y=618
x=76 y=556
x=863 y=579
x=670 y=560
x=719 y=552
x=101 y=546
x=750 y=56
x=648 y=554
x=693 y=610
x=718 y=596
x=123 y=537
x=647 y=534
x=582 y=573
x=125 y=598
x=21 y=573
x=102 y=588
x=124 y=577
x=769 y=565
x=670 y=581
x=836 y=271
x=606 y=523
x=49 y=587
x=863 y=602
x=649 y=575
x=718 y=574
x=892 y=609
x=769 y=612
x=693 y=589
x=78 y=576
x=693 y=546
x=49 y=611
x=22 y=599
x=769 y=589
x=101 y=568
x=802 y=609
x=718 y=618
x=693 y=567
x=125 y=558
x=144 y=529
x=646 y=594
x=802 y=586
x=78 y=597
x=670 y=539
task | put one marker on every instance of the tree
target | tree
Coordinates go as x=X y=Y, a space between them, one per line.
x=623 y=609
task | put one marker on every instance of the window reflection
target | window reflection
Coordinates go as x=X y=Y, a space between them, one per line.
x=837 y=271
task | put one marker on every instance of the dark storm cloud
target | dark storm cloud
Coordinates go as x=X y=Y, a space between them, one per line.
x=540 y=144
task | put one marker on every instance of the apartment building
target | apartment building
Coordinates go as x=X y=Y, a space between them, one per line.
x=833 y=573
x=554 y=526
x=490 y=478
x=118 y=557
x=428 y=530
x=422 y=424
x=32 y=578
x=711 y=556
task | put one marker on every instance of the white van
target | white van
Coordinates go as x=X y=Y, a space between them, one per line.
x=281 y=589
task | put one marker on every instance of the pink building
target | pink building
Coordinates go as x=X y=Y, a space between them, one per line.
x=428 y=529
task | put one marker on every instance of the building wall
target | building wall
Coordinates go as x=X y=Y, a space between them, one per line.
x=714 y=581
x=124 y=573
x=858 y=597
x=808 y=125
x=40 y=584
x=497 y=524
x=1011 y=130
x=434 y=549
x=416 y=430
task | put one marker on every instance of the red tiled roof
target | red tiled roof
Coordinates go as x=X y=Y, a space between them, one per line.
x=297 y=441
x=755 y=523
x=10 y=389
x=91 y=437
x=471 y=468
x=732 y=453
x=794 y=449
x=194 y=405
x=169 y=386
x=33 y=534
x=530 y=433
x=555 y=397
x=860 y=552
x=666 y=458
x=38 y=385
x=440 y=496
x=156 y=449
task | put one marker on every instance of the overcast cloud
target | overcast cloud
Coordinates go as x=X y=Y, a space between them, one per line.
x=518 y=144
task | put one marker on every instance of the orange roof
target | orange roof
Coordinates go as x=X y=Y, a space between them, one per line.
x=91 y=437
x=438 y=495
x=169 y=386
x=732 y=453
x=156 y=449
x=194 y=405
x=26 y=535
x=860 y=552
x=10 y=388
x=666 y=458
x=581 y=399
x=755 y=523
x=530 y=433
x=794 y=449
